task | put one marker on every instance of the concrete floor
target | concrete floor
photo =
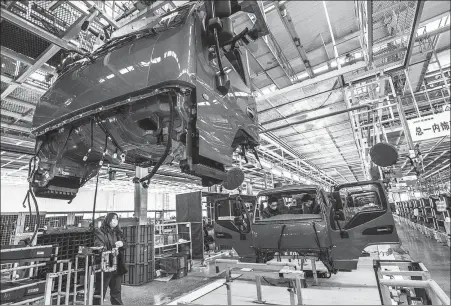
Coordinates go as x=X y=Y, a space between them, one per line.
x=158 y=293
x=358 y=287
x=435 y=256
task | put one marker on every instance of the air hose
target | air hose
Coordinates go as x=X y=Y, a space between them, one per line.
x=166 y=151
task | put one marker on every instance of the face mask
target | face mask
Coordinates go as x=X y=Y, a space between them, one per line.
x=114 y=223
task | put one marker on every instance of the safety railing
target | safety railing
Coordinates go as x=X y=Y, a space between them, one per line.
x=405 y=282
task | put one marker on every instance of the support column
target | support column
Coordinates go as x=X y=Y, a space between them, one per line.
x=71 y=218
x=249 y=187
x=141 y=198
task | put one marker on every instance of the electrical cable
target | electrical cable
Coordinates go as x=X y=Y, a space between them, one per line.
x=104 y=151
x=271 y=284
x=85 y=158
x=31 y=173
x=167 y=149
x=60 y=153
x=105 y=130
x=279 y=243
x=95 y=202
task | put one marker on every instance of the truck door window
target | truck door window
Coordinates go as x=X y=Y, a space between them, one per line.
x=359 y=200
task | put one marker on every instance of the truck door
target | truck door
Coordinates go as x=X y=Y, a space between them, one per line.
x=365 y=219
x=232 y=226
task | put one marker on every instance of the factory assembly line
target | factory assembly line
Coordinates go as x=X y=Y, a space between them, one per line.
x=231 y=152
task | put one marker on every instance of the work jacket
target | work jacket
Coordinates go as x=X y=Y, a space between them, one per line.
x=107 y=238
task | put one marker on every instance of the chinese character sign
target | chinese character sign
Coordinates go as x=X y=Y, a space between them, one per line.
x=428 y=127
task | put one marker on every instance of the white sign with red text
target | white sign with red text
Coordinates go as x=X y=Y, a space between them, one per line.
x=428 y=127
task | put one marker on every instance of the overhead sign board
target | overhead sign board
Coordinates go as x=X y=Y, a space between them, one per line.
x=428 y=127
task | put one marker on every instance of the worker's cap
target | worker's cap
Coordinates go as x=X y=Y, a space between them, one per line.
x=272 y=199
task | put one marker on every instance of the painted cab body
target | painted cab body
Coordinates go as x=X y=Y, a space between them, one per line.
x=148 y=97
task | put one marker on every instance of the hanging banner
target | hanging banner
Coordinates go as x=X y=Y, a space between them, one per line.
x=429 y=127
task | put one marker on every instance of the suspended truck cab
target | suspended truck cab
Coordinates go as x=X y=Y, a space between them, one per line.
x=174 y=90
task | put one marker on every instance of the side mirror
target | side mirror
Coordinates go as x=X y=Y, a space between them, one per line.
x=336 y=200
x=238 y=221
x=339 y=216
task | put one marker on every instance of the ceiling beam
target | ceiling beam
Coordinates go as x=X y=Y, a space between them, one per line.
x=8 y=113
x=70 y=33
x=289 y=26
x=25 y=59
x=102 y=12
x=332 y=35
x=303 y=112
x=9 y=80
x=44 y=57
x=143 y=14
x=447 y=164
x=319 y=78
x=19 y=102
x=278 y=54
x=15 y=127
x=369 y=23
x=298 y=157
x=291 y=124
x=27 y=25
x=413 y=33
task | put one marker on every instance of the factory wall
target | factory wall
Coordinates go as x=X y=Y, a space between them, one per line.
x=12 y=198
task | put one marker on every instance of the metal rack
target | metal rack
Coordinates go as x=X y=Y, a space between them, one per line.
x=423 y=215
x=168 y=236
x=20 y=280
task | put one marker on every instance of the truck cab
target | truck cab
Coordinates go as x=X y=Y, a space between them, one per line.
x=172 y=89
x=308 y=221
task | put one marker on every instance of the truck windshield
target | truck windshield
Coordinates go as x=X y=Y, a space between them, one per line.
x=289 y=205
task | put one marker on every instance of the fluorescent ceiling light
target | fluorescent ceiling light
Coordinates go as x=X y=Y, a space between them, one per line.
x=302 y=75
x=320 y=69
x=269 y=8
